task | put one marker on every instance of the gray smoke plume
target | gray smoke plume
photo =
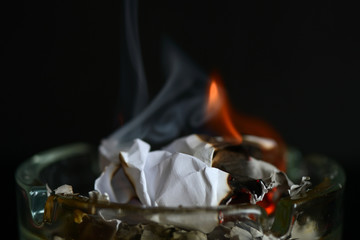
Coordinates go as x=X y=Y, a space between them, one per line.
x=133 y=80
x=179 y=106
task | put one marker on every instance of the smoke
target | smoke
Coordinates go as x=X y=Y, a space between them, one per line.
x=133 y=85
x=176 y=110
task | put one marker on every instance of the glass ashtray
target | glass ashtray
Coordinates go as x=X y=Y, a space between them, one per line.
x=315 y=215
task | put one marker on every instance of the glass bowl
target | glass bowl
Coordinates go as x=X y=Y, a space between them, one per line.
x=317 y=214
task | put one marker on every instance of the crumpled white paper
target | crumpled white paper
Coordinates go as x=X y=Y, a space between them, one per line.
x=179 y=174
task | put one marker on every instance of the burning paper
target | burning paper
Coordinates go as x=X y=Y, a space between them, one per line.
x=193 y=171
x=186 y=173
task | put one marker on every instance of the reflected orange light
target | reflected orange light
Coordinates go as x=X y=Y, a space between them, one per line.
x=268 y=202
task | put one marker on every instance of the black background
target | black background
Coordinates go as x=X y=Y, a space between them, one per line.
x=293 y=64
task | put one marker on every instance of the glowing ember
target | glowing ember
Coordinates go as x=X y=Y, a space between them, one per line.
x=268 y=202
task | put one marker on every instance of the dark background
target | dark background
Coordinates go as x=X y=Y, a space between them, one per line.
x=293 y=64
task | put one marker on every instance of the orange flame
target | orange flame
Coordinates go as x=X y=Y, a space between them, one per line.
x=218 y=109
x=230 y=124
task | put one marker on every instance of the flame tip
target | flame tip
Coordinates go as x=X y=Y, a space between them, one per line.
x=219 y=108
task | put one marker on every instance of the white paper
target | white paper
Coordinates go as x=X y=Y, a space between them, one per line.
x=64 y=189
x=193 y=145
x=163 y=178
x=181 y=174
x=204 y=221
x=115 y=184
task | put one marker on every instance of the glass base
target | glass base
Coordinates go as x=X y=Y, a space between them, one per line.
x=317 y=214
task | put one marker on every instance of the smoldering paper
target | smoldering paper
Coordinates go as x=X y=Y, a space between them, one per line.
x=181 y=174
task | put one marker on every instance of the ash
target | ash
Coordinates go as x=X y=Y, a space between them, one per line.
x=230 y=231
